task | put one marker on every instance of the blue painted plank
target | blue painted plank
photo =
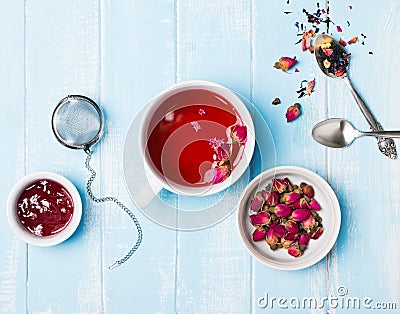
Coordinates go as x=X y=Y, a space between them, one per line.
x=62 y=57
x=274 y=37
x=367 y=181
x=12 y=159
x=138 y=62
x=213 y=269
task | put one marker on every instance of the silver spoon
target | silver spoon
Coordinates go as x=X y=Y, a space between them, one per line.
x=338 y=133
x=336 y=65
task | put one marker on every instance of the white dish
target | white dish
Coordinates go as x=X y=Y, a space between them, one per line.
x=330 y=214
x=20 y=230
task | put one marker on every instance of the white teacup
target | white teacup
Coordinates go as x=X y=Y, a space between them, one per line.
x=156 y=180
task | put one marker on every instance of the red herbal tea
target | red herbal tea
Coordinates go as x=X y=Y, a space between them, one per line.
x=195 y=138
x=45 y=208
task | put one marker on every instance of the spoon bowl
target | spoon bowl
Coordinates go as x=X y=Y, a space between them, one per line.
x=338 y=133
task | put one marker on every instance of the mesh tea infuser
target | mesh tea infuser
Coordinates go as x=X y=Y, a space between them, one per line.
x=78 y=123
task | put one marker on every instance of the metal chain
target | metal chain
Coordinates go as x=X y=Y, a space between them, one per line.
x=116 y=201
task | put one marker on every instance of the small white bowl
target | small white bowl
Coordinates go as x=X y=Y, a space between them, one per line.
x=330 y=214
x=20 y=230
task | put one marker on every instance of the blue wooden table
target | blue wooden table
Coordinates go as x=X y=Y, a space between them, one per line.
x=122 y=53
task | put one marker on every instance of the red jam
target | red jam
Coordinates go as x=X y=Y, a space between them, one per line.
x=45 y=208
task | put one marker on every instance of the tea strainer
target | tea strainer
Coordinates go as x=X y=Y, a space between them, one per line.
x=78 y=123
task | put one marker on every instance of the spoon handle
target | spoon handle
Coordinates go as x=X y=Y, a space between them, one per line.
x=386 y=145
x=395 y=134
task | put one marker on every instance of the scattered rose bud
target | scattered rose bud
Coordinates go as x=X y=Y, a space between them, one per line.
x=308 y=223
x=276 y=101
x=260 y=219
x=285 y=63
x=295 y=251
x=342 y=42
x=316 y=234
x=314 y=205
x=339 y=29
x=308 y=191
x=304 y=239
x=279 y=185
x=300 y=214
x=293 y=112
x=239 y=133
x=310 y=87
x=283 y=210
x=280 y=231
x=259 y=234
x=291 y=226
x=292 y=197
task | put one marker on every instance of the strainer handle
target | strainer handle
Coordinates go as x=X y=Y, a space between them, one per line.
x=117 y=202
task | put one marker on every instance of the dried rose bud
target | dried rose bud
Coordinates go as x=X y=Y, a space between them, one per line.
x=239 y=133
x=288 y=184
x=300 y=214
x=308 y=191
x=303 y=203
x=271 y=237
x=221 y=154
x=291 y=236
x=262 y=218
x=259 y=234
x=285 y=63
x=286 y=243
x=342 y=42
x=256 y=202
x=280 y=231
x=279 y=185
x=293 y=112
x=272 y=198
x=283 y=210
x=308 y=223
x=276 y=101
x=292 y=197
x=304 y=239
x=314 y=205
x=221 y=174
x=291 y=226
x=317 y=233
x=310 y=87
x=295 y=251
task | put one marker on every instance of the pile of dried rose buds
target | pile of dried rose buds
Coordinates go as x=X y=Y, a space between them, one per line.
x=286 y=216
